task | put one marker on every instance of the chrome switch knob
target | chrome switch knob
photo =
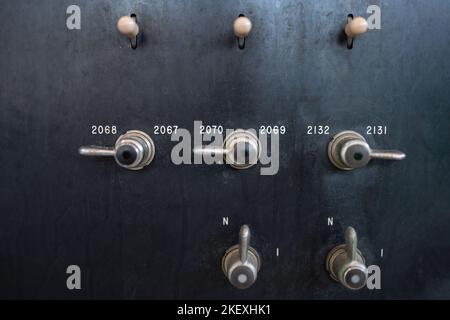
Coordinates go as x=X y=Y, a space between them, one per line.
x=133 y=150
x=349 y=150
x=346 y=264
x=241 y=263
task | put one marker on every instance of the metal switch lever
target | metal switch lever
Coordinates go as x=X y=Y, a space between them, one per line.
x=346 y=264
x=133 y=150
x=241 y=149
x=128 y=26
x=349 y=150
x=241 y=263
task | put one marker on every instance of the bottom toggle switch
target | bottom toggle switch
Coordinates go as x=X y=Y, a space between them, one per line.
x=241 y=263
x=346 y=264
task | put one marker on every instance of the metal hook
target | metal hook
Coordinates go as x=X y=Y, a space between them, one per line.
x=133 y=40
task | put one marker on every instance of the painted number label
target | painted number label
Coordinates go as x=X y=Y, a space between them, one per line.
x=211 y=129
x=103 y=129
x=318 y=130
x=376 y=130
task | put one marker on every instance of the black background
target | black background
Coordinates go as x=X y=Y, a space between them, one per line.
x=157 y=233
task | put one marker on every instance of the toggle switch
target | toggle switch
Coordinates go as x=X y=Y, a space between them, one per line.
x=349 y=150
x=241 y=149
x=127 y=25
x=355 y=27
x=242 y=27
x=241 y=263
x=346 y=264
x=133 y=150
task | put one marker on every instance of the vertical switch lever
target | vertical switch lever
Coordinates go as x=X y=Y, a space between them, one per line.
x=355 y=27
x=349 y=150
x=241 y=262
x=133 y=150
x=346 y=264
x=128 y=26
x=242 y=27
